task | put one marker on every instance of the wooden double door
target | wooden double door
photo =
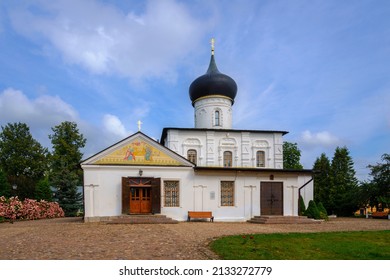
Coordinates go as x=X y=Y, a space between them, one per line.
x=140 y=200
x=271 y=198
x=140 y=195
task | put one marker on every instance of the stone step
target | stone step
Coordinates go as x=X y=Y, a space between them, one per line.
x=282 y=220
x=143 y=219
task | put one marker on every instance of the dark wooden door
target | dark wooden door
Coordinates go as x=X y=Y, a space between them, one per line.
x=156 y=196
x=271 y=198
x=140 y=200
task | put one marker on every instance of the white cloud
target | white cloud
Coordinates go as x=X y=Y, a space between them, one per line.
x=323 y=138
x=110 y=41
x=40 y=114
x=113 y=125
x=44 y=110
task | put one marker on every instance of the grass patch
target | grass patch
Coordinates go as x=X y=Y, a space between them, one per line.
x=358 y=245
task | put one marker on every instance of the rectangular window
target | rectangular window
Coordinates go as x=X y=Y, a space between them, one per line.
x=191 y=156
x=217 y=118
x=227 y=159
x=260 y=159
x=171 y=194
x=227 y=193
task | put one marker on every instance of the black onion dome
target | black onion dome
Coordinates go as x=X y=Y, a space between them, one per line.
x=213 y=83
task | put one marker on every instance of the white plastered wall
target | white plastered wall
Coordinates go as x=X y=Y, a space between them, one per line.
x=210 y=146
x=103 y=187
x=205 y=109
x=198 y=192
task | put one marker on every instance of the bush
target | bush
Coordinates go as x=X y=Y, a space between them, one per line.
x=12 y=209
x=312 y=211
x=323 y=213
x=301 y=206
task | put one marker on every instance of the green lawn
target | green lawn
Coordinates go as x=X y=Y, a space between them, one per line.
x=360 y=245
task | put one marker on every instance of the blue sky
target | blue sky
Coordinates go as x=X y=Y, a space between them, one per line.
x=318 y=69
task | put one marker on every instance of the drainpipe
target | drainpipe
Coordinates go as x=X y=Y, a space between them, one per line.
x=299 y=190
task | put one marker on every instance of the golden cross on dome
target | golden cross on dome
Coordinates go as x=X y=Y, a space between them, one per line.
x=139 y=125
x=212 y=45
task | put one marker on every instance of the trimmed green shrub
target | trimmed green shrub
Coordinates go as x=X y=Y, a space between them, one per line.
x=323 y=213
x=312 y=211
x=301 y=206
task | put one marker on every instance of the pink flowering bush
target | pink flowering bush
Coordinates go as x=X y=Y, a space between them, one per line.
x=30 y=209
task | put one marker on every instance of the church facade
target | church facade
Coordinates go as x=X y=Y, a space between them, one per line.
x=235 y=174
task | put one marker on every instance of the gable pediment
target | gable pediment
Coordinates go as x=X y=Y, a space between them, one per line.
x=137 y=149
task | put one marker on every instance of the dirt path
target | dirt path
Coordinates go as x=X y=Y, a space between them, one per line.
x=71 y=239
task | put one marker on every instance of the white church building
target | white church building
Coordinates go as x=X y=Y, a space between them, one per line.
x=236 y=174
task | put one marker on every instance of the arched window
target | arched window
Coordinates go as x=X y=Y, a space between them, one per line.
x=217 y=118
x=260 y=159
x=227 y=159
x=192 y=156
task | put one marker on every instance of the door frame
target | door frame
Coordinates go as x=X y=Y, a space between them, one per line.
x=155 y=193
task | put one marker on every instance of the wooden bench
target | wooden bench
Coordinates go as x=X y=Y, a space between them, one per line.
x=379 y=215
x=200 y=215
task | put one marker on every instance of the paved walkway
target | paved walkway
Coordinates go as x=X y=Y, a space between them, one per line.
x=71 y=239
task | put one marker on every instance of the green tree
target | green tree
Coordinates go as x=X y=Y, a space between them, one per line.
x=43 y=191
x=322 y=180
x=22 y=158
x=66 y=173
x=5 y=187
x=291 y=156
x=344 y=193
x=378 y=190
x=367 y=194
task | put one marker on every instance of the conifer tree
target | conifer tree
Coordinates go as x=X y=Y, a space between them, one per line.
x=322 y=180
x=344 y=192
x=43 y=191
x=301 y=206
x=312 y=211
x=66 y=174
x=323 y=212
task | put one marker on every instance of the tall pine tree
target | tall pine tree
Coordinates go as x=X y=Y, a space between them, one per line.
x=322 y=181
x=344 y=191
x=66 y=173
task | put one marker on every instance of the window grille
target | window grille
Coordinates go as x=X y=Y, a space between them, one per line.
x=227 y=193
x=171 y=191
